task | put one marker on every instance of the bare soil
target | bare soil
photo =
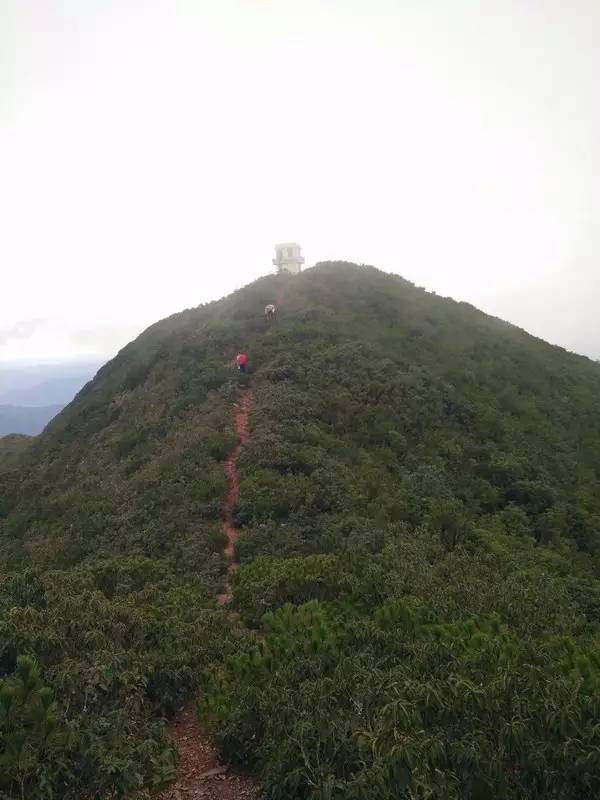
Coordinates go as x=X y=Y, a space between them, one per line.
x=242 y=429
x=200 y=774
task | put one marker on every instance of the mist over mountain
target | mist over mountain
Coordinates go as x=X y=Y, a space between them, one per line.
x=31 y=395
x=29 y=420
x=417 y=601
x=43 y=384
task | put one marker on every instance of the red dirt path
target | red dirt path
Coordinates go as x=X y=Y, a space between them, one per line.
x=242 y=428
x=200 y=774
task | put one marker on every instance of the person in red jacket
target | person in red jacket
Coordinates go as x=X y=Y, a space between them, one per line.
x=242 y=361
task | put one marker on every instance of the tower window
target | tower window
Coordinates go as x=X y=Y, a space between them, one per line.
x=290 y=251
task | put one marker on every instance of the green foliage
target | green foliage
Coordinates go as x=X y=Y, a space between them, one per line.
x=30 y=736
x=420 y=555
x=393 y=703
x=269 y=583
x=121 y=642
x=12 y=447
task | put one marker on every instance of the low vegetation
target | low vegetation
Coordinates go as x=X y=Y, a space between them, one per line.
x=12 y=446
x=420 y=556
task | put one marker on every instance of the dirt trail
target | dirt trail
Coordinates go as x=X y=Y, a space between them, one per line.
x=242 y=429
x=200 y=774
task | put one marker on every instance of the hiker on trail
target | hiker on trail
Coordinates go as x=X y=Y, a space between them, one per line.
x=270 y=311
x=242 y=361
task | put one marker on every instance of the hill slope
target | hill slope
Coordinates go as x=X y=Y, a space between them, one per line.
x=12 y=447
x=420 y=519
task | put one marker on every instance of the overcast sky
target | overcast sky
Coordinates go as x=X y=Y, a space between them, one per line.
x=152 y=153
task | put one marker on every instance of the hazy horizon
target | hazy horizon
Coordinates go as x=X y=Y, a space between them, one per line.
x=150 y=160
x=97 y=359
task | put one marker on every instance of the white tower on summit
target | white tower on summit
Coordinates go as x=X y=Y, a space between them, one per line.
x=288 y=257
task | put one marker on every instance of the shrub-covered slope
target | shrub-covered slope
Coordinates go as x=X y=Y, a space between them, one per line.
x=420 y=523
x=12 y=446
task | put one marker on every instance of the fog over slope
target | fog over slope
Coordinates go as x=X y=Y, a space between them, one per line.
x=31 y=395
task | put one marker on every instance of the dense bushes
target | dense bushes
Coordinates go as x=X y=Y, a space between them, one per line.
x=420 y=555
x=392 y=703
x=429 y=476
x=428 y=673
x=120 y=642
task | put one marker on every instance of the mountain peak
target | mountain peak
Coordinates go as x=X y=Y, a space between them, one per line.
x=410 y=496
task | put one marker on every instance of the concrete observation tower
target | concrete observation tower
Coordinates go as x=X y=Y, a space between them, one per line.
x=288 y=258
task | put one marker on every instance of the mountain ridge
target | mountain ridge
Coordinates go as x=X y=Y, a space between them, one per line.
x=418 y=512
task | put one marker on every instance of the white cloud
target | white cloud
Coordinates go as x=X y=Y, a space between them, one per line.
x=151 y=154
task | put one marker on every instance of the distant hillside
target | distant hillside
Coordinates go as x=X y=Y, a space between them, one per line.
x=418 y=599
x=26 y=419
x=30 y=396
x=43 y=384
